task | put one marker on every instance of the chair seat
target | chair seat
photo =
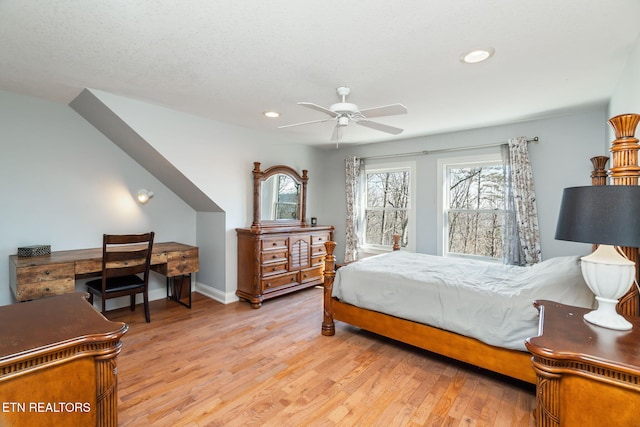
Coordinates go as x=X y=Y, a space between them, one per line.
x=117 y=284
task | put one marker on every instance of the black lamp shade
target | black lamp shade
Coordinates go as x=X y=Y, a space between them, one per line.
x=607 y=214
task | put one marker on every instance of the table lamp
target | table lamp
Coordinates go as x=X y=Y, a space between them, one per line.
x=609 y=216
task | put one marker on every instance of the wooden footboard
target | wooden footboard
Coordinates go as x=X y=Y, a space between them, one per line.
x=513 y=363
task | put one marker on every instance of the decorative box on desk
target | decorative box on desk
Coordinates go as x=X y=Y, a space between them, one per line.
x=36 y=250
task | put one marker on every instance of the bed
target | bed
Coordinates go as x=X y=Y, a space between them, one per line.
x=472 y=331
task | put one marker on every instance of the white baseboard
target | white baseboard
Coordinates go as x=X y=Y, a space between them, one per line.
x=216 y=294
x=161 y=293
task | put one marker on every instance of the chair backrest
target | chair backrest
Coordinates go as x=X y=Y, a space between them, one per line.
x=126 y=254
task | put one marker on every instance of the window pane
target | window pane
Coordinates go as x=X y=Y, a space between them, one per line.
x=383 y=224
x=478 y=187
x=387 y=207
x=476 y=233
x=388 y=189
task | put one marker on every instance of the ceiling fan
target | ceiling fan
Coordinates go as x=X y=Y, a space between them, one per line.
x=344 y=112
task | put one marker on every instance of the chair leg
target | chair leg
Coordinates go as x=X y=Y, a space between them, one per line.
x=91 y=298
x=146 y=306
x=104 y=305
x=132 y=297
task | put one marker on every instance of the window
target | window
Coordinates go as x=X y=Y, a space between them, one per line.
x=388 y=206
x=473 y=203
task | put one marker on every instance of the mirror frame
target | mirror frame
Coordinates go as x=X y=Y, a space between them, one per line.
x=259 y=177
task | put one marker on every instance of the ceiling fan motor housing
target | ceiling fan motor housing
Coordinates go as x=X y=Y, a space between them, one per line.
x=344 y=107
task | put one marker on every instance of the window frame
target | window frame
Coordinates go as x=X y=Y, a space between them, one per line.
x=409 y=166
x=443 y=199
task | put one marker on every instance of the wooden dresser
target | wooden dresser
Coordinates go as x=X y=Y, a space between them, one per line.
x=279 y=260
x=58 y=363
x=586 y=375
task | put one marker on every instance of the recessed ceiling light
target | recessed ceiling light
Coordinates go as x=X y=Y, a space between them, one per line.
x=271 y=114
x=477 y=55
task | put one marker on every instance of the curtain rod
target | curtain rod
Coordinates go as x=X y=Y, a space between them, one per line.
x=442 y=150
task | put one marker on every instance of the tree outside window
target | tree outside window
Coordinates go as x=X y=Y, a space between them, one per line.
x=387 y=206
x=475 y=209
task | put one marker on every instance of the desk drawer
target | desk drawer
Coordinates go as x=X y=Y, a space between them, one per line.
x=182 y=262
x=88 y=267
x=44 y=280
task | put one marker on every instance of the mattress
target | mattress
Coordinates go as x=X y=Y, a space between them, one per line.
x=487 y=301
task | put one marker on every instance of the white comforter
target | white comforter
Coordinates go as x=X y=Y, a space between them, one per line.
x=488 y=301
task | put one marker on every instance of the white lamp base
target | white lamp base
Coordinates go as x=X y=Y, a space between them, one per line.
x=606 y=315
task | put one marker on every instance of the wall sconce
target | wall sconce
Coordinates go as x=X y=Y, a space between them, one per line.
x=144 y=196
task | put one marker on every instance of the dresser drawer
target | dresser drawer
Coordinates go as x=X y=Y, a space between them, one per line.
x=274 y=242
x=318 y=250
x=320 y=238
x=317 y=260
x=311 y=274
x=277 y=256
x=272 y=283
x=44 y=280
x=270 y=269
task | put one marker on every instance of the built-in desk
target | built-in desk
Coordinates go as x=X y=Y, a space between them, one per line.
x=55 y=274
x=58 y=363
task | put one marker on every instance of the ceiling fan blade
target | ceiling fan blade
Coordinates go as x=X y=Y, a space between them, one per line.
x=304 y=123
x=318 y=108
x=379 y=126
x=386 y=110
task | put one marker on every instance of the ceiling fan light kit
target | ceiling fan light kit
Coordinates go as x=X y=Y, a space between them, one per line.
x=344 y=112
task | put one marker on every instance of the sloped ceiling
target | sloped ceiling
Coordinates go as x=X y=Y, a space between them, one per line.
x=232 y=60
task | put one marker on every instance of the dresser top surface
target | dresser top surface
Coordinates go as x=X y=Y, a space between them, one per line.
x=49 y=323
x=566 y=335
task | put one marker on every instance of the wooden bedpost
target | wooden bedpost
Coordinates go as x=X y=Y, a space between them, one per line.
x=599 y=174
x=328 y=325
x=396 y=242
x=626 y=171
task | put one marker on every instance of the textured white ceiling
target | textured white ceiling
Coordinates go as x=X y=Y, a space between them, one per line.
x=232 y=60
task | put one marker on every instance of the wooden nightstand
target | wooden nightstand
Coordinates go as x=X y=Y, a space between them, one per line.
x=586 y=375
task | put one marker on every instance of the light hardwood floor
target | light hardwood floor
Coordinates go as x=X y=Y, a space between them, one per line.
x=231 y=365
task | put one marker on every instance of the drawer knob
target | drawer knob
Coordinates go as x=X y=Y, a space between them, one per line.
x=268 y=285
x=47 y=289
x=274 y=256
x=274 y=268
x=47 y=272
x=293 y=279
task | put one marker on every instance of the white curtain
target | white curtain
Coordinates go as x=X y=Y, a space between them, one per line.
x=354 y=175
x=521 y=244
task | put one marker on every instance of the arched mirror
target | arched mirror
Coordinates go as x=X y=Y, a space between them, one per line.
x=279 y=197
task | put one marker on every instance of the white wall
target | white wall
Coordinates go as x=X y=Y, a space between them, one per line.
x=64 y=184
x=559 y=160
x=218 y=158
x=626 y=97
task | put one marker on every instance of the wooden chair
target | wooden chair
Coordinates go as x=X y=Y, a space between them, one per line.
x=126 y=259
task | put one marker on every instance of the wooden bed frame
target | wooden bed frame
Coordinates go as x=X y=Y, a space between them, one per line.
x=512 y=363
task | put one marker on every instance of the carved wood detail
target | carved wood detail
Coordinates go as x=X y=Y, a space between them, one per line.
x=625 y=170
